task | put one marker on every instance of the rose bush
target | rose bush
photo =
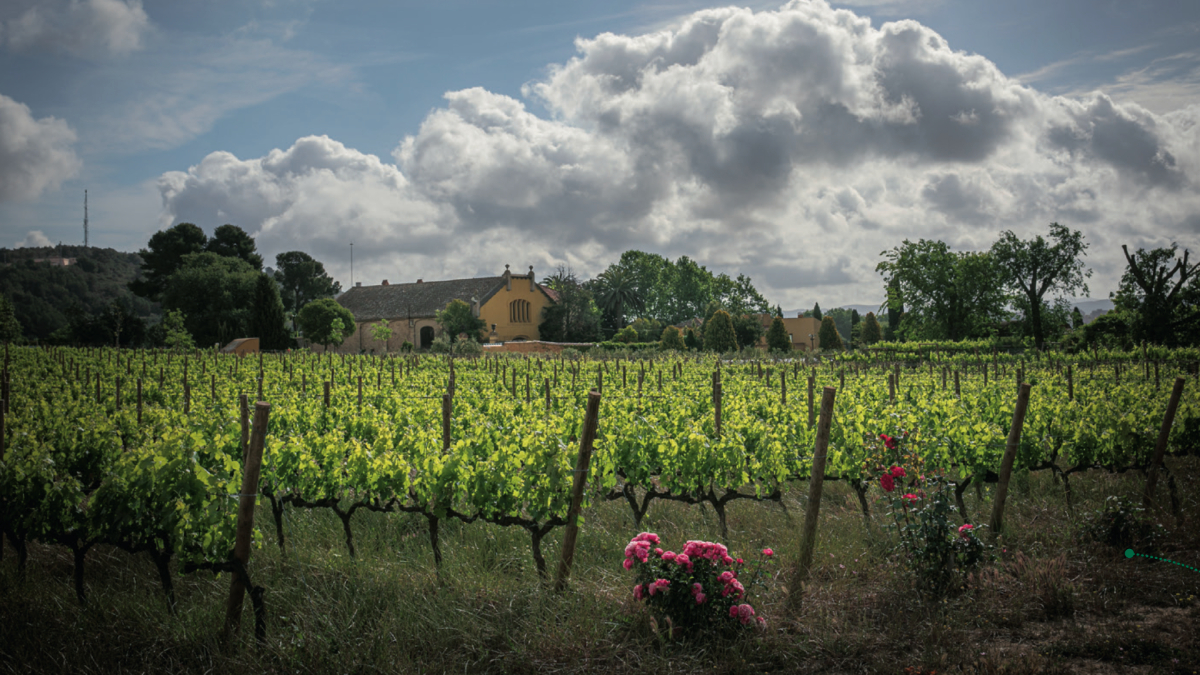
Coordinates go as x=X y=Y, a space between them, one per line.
x=700 y=588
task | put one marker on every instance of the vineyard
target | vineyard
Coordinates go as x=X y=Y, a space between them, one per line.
x=145 y=451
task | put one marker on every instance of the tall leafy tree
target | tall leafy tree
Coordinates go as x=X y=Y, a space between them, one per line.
x=457 y=318
x=777 y=336
x=828 y=335
x=950 y=296
x=233 y=242
x=325 y=322
x=163 y=255
x=1162 y=291
x=266 y=317
x=816 y=311
x=302 y=279
x=1035 y=267
x=871 y=332
x=575 y=316
x=719 y=335
x=616 y=294
x=748 y=329
x=216 y=294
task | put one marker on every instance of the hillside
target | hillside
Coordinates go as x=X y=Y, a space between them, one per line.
x=44 y=297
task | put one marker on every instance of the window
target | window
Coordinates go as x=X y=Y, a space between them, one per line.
x=518 y=311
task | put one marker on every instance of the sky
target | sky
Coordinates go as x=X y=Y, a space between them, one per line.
x=793 y=143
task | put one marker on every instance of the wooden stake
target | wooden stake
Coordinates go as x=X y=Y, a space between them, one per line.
x=1010 y=456
x=808 y=536
x=1160 y=448
x=245 y=520
x=245 y=410
x=587 y=438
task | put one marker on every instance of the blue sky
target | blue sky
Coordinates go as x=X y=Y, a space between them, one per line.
x=791 y=143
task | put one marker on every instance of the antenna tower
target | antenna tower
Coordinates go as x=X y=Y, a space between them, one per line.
x=85 y=232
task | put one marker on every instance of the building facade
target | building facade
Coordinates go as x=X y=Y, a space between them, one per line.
x=805 y=332
x=510 y=305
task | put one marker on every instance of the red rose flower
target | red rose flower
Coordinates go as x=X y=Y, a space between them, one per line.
x=887 y=483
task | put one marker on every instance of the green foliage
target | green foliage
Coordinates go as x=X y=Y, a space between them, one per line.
x=266 y=317
x=1123 y=524
x=719 y=335
x=1167 y=309
x=616 y=293
x=317 y=321
x=10 y=328
x=871 y=332
x=441 y=345
x=174 y=333
x=575 y=317
x=611 y=345
x=1076 y=319
x=381 y=332
x=215 y=293
x=748 y=330
x=949 y=296
x=458 y=318
x=163 y=256
x=467 y=348
x=777 y=337
x=816 y=311
x=626 y=335
x=1033 y=268
x=648 y=330
x=854 y=317
x=672 y=339
x=691 y=341
x=302 y=279
x=232 y=241
x=406 y=347
x=842 y=320
x=828 y=337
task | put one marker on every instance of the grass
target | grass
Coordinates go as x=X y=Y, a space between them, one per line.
x=1055 y=603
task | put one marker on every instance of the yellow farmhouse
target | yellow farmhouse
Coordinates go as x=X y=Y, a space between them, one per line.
x=511 y=305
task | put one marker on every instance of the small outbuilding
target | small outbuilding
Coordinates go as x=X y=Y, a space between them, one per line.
x=241 y=347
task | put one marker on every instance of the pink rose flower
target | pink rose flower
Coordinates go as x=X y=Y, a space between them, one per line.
x=910 y=497
x=628 y=564
x=965 y=530
x=768 y=552
x=727 y=560
x=888 y=441
x=739 y=561
x=733 y=611
x=700 y=597
x=762 y=623
x=725 y=577
x=658 y=551
x=898 y=472
x=668 y=556
x=697 y=588
x=744 y=613
x=683 y=559
x=638 y=594
x=887 y=482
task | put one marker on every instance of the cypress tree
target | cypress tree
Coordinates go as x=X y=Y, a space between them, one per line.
x=871 y=331
x=10 y=326
x=829 y=337
x=691 y=341
x=777 y=336
x=266 y=317
x=719 y=335
x=816 y=311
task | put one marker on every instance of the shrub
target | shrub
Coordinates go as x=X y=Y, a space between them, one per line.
x=406 y=346
x=1123 y=524
x=467 y=348
x=691 y=341
x=628 y=335
x=440 y=344
x=828 y=337
x=672 y=339
x=719 y=335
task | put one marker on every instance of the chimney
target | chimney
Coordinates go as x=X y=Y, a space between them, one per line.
x=385 y=283
x=358 y=284
x=532 y=284
x=507 y=279
x=419 y=281
x=799 y=315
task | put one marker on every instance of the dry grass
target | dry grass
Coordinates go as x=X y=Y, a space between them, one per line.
x=1054 y=603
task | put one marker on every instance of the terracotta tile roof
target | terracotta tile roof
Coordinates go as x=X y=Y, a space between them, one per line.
x=421 y=300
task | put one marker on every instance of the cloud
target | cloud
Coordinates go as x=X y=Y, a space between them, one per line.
x=35 y=239
x=86 y=28
x=792 y=145
x=35 y=154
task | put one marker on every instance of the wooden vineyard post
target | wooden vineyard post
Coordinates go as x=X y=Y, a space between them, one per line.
x=1070 y=383
x=245 y=523
x=640 y=377
x=842 y=378
x=1160 y=448
x=528 y=397
x=187 y=398
x=590 y=421
x=547 y=394
x=260 y=386
x=1156 y=380
x=783 y=385
x=811 y=384
x=891 y=387
x=360 y=392
x=118 y=394
x=957 y=390
x=808 y=536
x=245 y=409
x=660 y=381
x=326 y=383
x=139 y=401
x=1010 y=456
x=716 y=393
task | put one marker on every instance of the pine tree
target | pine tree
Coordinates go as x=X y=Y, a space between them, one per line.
x=1076 y=318
x=854 y=317
x=672 y=339
x=777 y=336
x=691 y=341
x=871 y=331
x=828 y=338
x=719 y=335
x=10 y=327
x=266 y=318
x=816 y=311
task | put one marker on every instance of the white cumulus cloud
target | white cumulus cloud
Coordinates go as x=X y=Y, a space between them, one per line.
x=790 y=145
x=35 y=239
x=35 y=154
x=78 y=27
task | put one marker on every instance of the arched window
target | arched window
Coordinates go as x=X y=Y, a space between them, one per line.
x=518 y=311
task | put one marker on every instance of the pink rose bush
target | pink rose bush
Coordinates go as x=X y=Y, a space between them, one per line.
x=699 y=588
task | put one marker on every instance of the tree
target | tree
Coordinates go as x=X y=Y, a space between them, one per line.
x=121 y=326
x=1076 y=318
x=174 y=335
x=232 y=241
x=777 y=336
x=748 y=330
x=672 y=339
x=871 y=332
x=950 y=296
x=303 y=280
x=616 y=293
x=895 y=308
x=1166 y=308
x=163 y=255
x=1034 y=268
x=816 y=311
x=854 y=317
x=10 y=328
x=719 y=335
x=627 y=335
x=647 y=329
x=266 y=317
x=381 y=332
x=215 y=293
x=457 y=318
x=828 y=336
x=318 y=318
x=574 y=317
x=691 y=341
